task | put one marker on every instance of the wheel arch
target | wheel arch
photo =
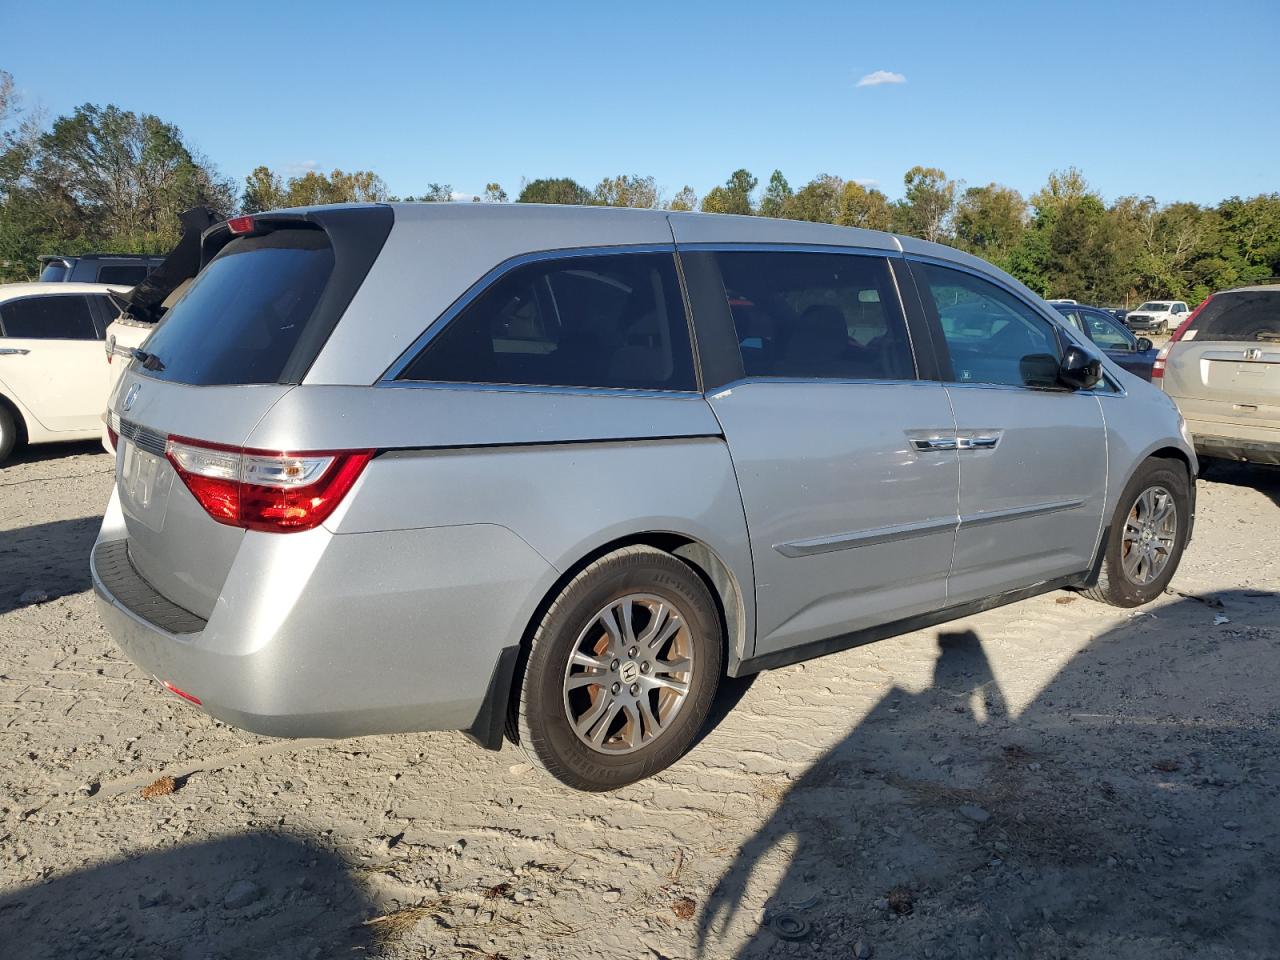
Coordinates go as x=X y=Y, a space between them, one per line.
x=724 y=587
x=19 y=421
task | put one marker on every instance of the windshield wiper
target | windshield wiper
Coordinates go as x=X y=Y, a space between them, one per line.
x=149 y=361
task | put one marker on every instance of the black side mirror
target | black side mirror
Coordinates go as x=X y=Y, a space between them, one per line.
x=1143 y=345
x=1079 y=370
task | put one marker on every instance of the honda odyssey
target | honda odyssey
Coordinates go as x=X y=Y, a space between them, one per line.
x=549 y=473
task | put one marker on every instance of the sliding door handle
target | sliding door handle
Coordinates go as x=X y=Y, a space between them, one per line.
x=935 y=443
x=13 y=352
x=978 y=443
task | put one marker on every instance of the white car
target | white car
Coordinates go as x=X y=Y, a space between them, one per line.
x=1157 y=316
x=53 y=381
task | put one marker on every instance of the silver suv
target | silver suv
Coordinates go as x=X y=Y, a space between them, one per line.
x=553 y=472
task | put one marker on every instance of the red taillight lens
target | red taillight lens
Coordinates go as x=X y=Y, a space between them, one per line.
x=262 y=489
x=182 y=693
x=1157 y=368
x=240 y=225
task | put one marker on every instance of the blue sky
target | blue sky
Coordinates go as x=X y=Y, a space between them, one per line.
x=1171 y=99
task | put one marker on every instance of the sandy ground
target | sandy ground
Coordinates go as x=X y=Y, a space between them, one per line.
x=1051 y=779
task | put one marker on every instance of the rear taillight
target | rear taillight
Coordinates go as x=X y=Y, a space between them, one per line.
x=1157 y=368
x=263 y=489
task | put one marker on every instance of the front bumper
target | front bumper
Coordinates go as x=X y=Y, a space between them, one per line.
x=380 y=633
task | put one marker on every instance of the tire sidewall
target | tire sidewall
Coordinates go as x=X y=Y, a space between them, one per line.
x=1174 y=479
x=548 y=731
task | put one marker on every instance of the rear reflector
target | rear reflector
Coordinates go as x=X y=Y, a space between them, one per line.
x=182 y=693
x=264 y=490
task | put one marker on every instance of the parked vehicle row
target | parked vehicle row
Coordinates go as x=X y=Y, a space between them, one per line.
x=1157 y=316
x=550 y=473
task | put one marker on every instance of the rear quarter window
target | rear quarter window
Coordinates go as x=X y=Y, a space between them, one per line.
x=123 y=274
x=244 y=315
x=1249 y=315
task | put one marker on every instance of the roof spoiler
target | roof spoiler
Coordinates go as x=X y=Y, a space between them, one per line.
x=145 y=302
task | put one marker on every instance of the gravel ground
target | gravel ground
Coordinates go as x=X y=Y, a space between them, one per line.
x=1051 y=779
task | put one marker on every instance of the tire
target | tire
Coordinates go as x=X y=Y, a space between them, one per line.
x=1124 y=579
x=9 y=433
x=1163 y=329
x=561 y=709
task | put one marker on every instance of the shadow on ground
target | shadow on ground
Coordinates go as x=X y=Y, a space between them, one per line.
x=52 y=558
x=1129 y=811
x=40 y=452
x=1261 y=477
x=259 y=895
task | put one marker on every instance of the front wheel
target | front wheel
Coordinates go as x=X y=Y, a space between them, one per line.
x=621 y=671
x=1147 y=536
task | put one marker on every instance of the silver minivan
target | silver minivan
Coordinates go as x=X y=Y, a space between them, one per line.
x=549 y=473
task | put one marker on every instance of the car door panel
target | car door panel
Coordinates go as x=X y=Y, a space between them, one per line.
x=60 y=380
x=1032 y=456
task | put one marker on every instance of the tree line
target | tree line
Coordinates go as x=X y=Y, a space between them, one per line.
x=103 y=178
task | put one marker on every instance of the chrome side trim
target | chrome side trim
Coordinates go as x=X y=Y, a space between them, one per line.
x=536 y=388
x=865 y=538
x=505 y=267
x=729 y=246
x=1017 y=513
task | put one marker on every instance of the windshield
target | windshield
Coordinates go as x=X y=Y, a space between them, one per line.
x=1248 y=315
x=244 y=314
x=1155 y=307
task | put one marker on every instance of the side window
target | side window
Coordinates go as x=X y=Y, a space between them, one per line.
x=1106 y=334
x=616 y=320
x=48 y=318
x=992 y=336
x=816 y=315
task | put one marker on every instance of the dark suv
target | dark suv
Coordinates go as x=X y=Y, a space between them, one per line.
x=125 y=269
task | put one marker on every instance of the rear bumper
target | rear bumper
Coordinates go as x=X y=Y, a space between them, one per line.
x=355 y=647
x=1234 y=448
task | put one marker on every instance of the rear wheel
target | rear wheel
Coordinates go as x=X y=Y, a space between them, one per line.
x=1147 y=536
x=621 y=671
x=9 y=433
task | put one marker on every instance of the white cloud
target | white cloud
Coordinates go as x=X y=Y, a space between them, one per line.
x=299 y=167
x=879 y=77
x=462 y=196
x=866 y=181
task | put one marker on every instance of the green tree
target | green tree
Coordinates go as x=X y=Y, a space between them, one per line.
x=863 y=207
x=627 y=190
x=989 y=221
x=493 y=193
x=776 y=196
x=925 y=209
x=733 y=197
x=558 y=190
x=818 y=201
x=685 y=200
x=263 y=190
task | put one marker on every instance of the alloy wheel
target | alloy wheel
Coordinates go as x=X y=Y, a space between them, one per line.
x=1150 y=532
x=629 y=674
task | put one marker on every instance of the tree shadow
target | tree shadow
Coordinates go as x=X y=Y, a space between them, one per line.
x=259 y=895
x=1127 y=811
x=51 y=558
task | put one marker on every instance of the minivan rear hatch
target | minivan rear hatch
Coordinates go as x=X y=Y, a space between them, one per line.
x=1227 y=364
x=245 y=333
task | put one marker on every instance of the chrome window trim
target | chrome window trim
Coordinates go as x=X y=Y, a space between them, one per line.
x=495 y=274
x=731 y=247
x=810 y=381
x=482 y=387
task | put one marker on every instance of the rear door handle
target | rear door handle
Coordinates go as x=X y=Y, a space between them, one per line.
x=13 y=352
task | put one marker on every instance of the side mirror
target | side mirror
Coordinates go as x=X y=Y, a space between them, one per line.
x=1078 y=369
x=1144 y=345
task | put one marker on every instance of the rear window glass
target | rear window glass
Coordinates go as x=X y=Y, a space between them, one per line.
x=244 y=315
x=124 y=274
x=54 y=272
x=594 y=321
x=1248 y=315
